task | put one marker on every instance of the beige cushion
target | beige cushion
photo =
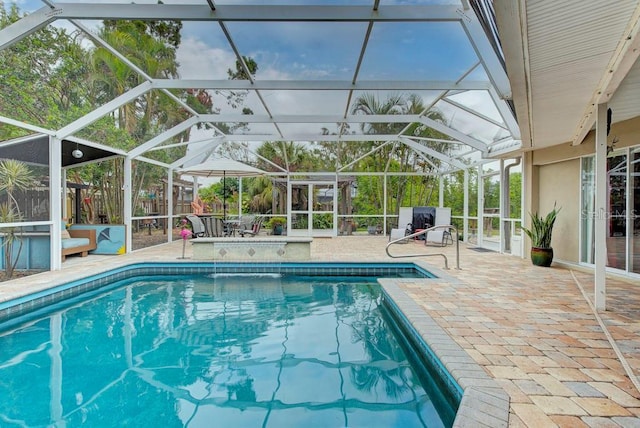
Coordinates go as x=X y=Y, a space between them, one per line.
x=64 y=234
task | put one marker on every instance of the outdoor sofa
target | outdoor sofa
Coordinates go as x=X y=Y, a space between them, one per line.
x=80 y=241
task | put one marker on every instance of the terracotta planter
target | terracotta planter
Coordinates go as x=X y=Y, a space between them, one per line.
x=541 y=256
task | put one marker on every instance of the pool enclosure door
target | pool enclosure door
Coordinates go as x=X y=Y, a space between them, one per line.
x=311 y=205
x=489 y=233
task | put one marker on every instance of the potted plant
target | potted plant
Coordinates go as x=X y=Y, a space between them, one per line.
x=277 y=225
x=540 y=234
x=374 y=227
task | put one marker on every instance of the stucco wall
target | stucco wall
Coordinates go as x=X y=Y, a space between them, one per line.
x=560 y=182
x=556 y=177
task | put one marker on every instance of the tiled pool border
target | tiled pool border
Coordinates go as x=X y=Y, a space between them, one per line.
x=483 y=403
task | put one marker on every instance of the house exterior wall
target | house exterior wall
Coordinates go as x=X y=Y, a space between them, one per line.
x=560 y=183
x=556 y=177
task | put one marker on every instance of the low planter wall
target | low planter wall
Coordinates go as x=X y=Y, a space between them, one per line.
x=35 y=252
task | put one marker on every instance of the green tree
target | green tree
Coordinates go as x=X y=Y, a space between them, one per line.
x=39 y=78
x=210 y=194
x=260 y=191
x=152 y=47
x=515 y=195
x=237 y=98
x=39 y=84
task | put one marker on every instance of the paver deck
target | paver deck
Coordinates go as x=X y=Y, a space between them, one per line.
x=531 y=329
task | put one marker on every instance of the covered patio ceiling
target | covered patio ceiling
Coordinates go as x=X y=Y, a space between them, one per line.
x=563 y=59
x=314 y=61
x=33 y=150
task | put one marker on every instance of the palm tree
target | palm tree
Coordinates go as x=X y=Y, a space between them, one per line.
x=398 y=157
x=369 y=104
x=261 y=192
x=14 y=176
x=290 y=156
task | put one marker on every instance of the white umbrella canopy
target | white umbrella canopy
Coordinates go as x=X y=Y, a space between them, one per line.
x=222 y=168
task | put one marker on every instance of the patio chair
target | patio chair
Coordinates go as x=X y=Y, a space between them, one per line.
x=197 y=226
x=213 y=226
x=218 y=227
x=208 y=226
x=255 y=227
x=245 y=224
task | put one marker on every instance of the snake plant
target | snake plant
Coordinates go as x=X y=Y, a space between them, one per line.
x=541 y=228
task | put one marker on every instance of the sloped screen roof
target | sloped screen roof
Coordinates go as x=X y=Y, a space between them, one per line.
x=315 y=62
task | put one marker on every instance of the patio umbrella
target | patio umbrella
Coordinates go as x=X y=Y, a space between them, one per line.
x=222 y=168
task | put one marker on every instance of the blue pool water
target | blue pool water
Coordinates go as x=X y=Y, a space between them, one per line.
x=217 y=350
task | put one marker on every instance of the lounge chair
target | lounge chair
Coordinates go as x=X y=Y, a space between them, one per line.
x=398 y=233
x=405 y=218
x=440 y=237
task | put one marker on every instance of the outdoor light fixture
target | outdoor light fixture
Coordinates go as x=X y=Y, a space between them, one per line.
x=77 y=153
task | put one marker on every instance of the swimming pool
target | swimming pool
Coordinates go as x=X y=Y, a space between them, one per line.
x=188 y=359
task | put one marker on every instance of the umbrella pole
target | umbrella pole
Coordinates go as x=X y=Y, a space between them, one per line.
x=224 y=195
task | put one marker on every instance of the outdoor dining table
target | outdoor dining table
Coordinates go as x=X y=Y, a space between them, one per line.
x=230 y=227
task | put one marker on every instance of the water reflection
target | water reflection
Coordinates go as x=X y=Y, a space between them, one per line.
x=236 y=351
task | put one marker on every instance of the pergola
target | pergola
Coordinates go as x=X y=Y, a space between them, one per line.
x=447 y=54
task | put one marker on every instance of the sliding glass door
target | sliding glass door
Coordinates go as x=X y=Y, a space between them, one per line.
x=617 y=209
x=634 y=214
x=623 y=207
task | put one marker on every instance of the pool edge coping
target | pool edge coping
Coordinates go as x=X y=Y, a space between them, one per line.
x=484 y=402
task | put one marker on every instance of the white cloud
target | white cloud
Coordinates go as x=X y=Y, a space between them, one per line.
x=199 y=61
